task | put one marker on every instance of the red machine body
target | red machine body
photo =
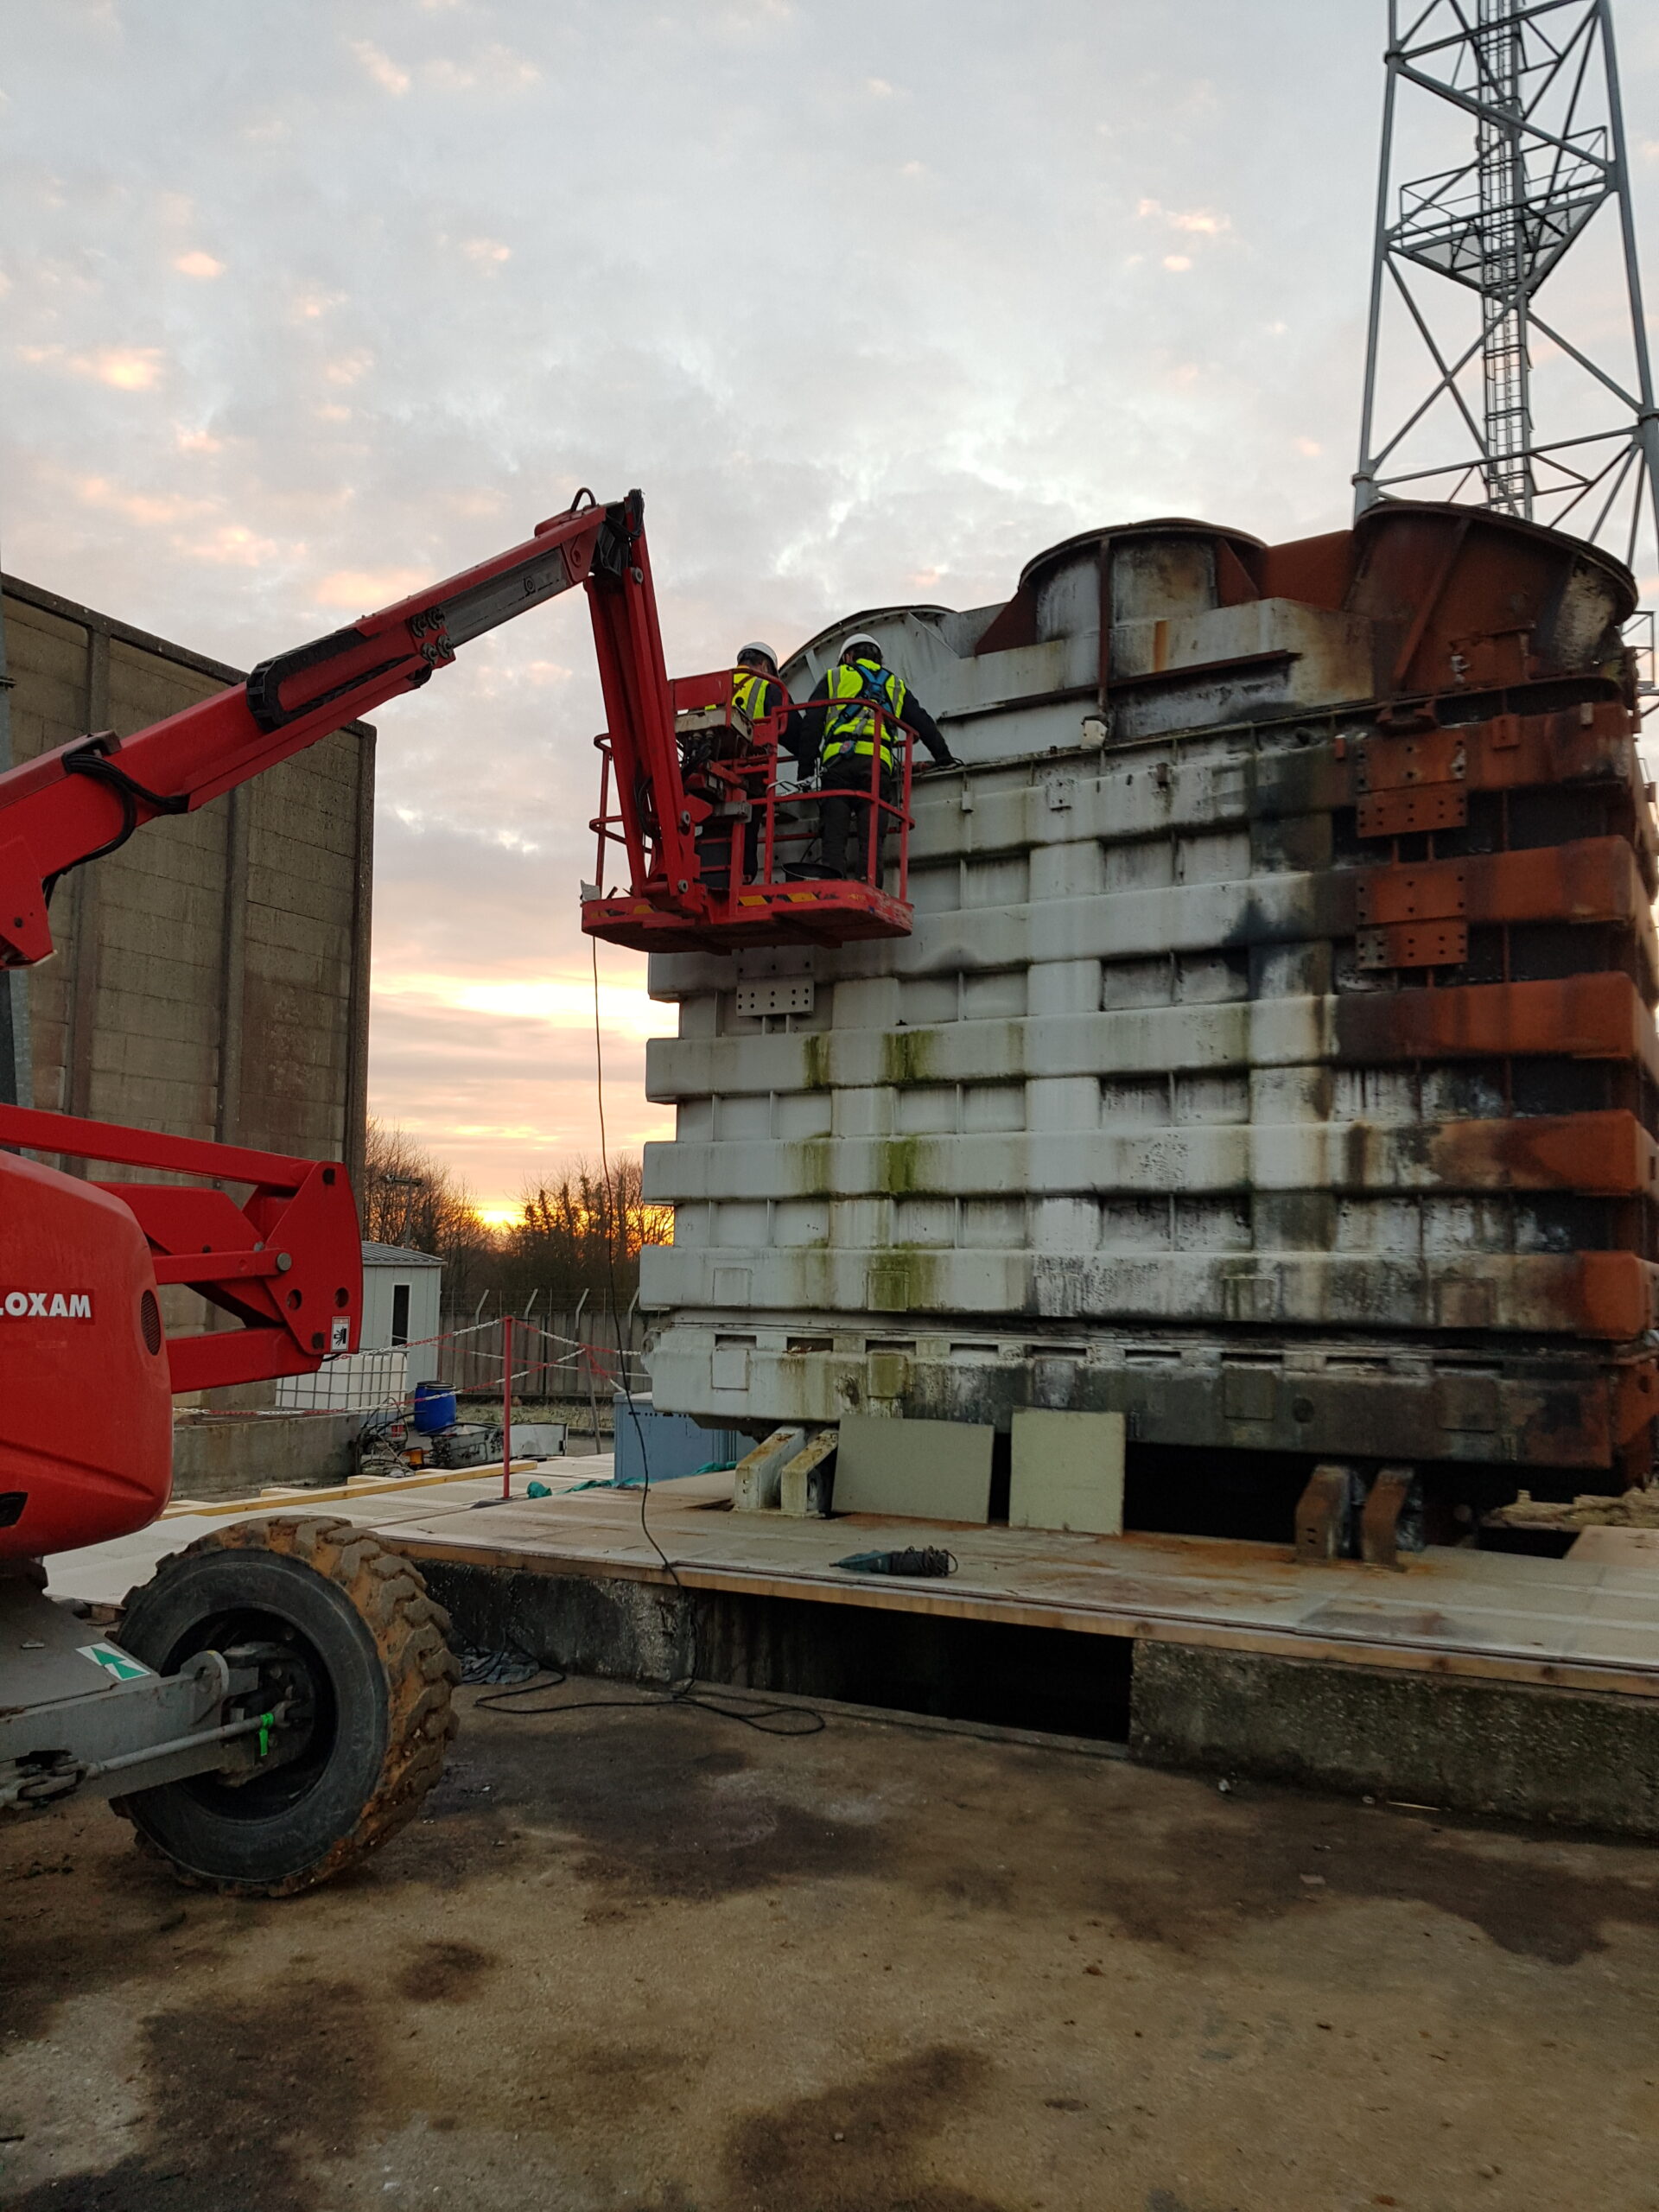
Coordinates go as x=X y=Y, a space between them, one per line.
x=86 y=1419
x=86 y=1428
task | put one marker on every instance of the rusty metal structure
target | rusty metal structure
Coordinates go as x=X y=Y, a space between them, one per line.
x=1529 y=89
x=1272 y=1059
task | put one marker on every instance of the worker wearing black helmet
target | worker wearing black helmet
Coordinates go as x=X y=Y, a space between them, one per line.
x=850 y=717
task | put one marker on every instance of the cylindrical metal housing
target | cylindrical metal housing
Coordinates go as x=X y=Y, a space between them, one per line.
x=1273 y=1060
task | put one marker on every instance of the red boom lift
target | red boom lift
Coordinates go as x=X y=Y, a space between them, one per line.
x=278 y=1699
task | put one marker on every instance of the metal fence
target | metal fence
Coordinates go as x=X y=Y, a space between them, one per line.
x=356 y=1382
x=556 y=1354
x=506 y=1362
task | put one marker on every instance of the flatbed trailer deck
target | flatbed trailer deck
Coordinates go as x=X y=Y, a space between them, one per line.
x=1497 y=1681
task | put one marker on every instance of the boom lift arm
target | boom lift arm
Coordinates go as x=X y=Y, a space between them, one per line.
x=86 y=798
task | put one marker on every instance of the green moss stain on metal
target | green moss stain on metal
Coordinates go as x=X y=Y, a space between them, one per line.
x=811 y=1163
x=815 y=1060
x=904 y=1281
x=906 y=1055
x=899 y=1165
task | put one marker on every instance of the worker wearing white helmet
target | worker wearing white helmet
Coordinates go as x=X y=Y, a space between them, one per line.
x=755 y=689
x=757 y=693
x=852 y=717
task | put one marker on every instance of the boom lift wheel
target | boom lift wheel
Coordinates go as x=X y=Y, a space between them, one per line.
x=348 y=1640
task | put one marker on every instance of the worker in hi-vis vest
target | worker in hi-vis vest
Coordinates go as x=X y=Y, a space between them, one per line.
x=755 y=689
x=842 y=729
x=756 y=692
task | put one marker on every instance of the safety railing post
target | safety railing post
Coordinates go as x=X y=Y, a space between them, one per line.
x=904 y=816
x=506 y=1405
x=769 y=804
x=873 y=819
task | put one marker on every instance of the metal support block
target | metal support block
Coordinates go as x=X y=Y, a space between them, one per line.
x=755 y=1484
x=808 y=1481
x=789 y=996
x=1404 y=763
x=1380 y=1535
x=1325 y=1515
x=1432 y=894
x=1409 y=813
x=1413 y=944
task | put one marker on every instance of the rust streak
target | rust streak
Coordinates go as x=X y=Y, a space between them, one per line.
x=1605 y=1154
x=1508 y=752
x=1594 y=880
x=1597 y=1017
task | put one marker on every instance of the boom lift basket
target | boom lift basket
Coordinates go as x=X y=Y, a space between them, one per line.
x=754 y=839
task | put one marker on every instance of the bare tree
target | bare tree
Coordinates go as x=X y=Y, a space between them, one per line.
x=577 y=1231
x=410 y=1197
x=583 y=1231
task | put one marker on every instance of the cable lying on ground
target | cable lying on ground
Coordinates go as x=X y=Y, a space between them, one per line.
x=682 y=1693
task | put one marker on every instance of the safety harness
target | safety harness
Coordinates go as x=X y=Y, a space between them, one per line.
x=851 y=727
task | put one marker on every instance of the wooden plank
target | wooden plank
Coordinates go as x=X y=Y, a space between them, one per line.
x=1618 y=1547
x=1085 y=1620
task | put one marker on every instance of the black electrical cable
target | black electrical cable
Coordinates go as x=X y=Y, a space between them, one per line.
x=610 y=1272
x=770 y=1720
x=89 y=759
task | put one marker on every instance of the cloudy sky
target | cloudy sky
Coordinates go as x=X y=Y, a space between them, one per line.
x=308 y=301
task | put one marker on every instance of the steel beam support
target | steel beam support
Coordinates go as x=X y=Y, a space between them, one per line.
x=1326 y=1514
x=1379 y=1520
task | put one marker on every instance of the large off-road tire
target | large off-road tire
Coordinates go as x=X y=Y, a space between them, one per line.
x=355 y=1626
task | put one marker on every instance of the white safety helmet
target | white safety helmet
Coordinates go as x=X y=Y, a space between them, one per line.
x=757 y=646
x=862 y=642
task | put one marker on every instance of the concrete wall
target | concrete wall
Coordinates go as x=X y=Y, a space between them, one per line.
x=237 y=1455
x=211 y=977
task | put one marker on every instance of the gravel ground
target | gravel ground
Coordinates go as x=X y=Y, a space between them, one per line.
x=646 y=1958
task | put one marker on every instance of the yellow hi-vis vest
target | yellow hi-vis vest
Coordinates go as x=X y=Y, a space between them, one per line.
x=851 y=727
x=749 y=690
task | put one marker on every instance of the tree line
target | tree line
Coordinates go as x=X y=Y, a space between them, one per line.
x=579 y=1232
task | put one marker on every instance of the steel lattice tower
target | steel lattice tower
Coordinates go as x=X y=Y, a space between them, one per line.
x=1535 y=83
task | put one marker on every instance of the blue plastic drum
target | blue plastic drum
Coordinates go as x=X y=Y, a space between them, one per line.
x=434 y=1408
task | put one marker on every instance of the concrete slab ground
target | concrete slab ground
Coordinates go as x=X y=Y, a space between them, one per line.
x=646 y=1958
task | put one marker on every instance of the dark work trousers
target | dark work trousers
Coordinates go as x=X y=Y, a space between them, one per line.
x=844 y=788
x=755 y=789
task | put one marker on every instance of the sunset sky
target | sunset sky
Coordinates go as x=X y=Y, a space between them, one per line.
x=310 y=302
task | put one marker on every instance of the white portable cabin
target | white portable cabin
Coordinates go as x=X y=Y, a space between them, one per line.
x=401 y=1292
